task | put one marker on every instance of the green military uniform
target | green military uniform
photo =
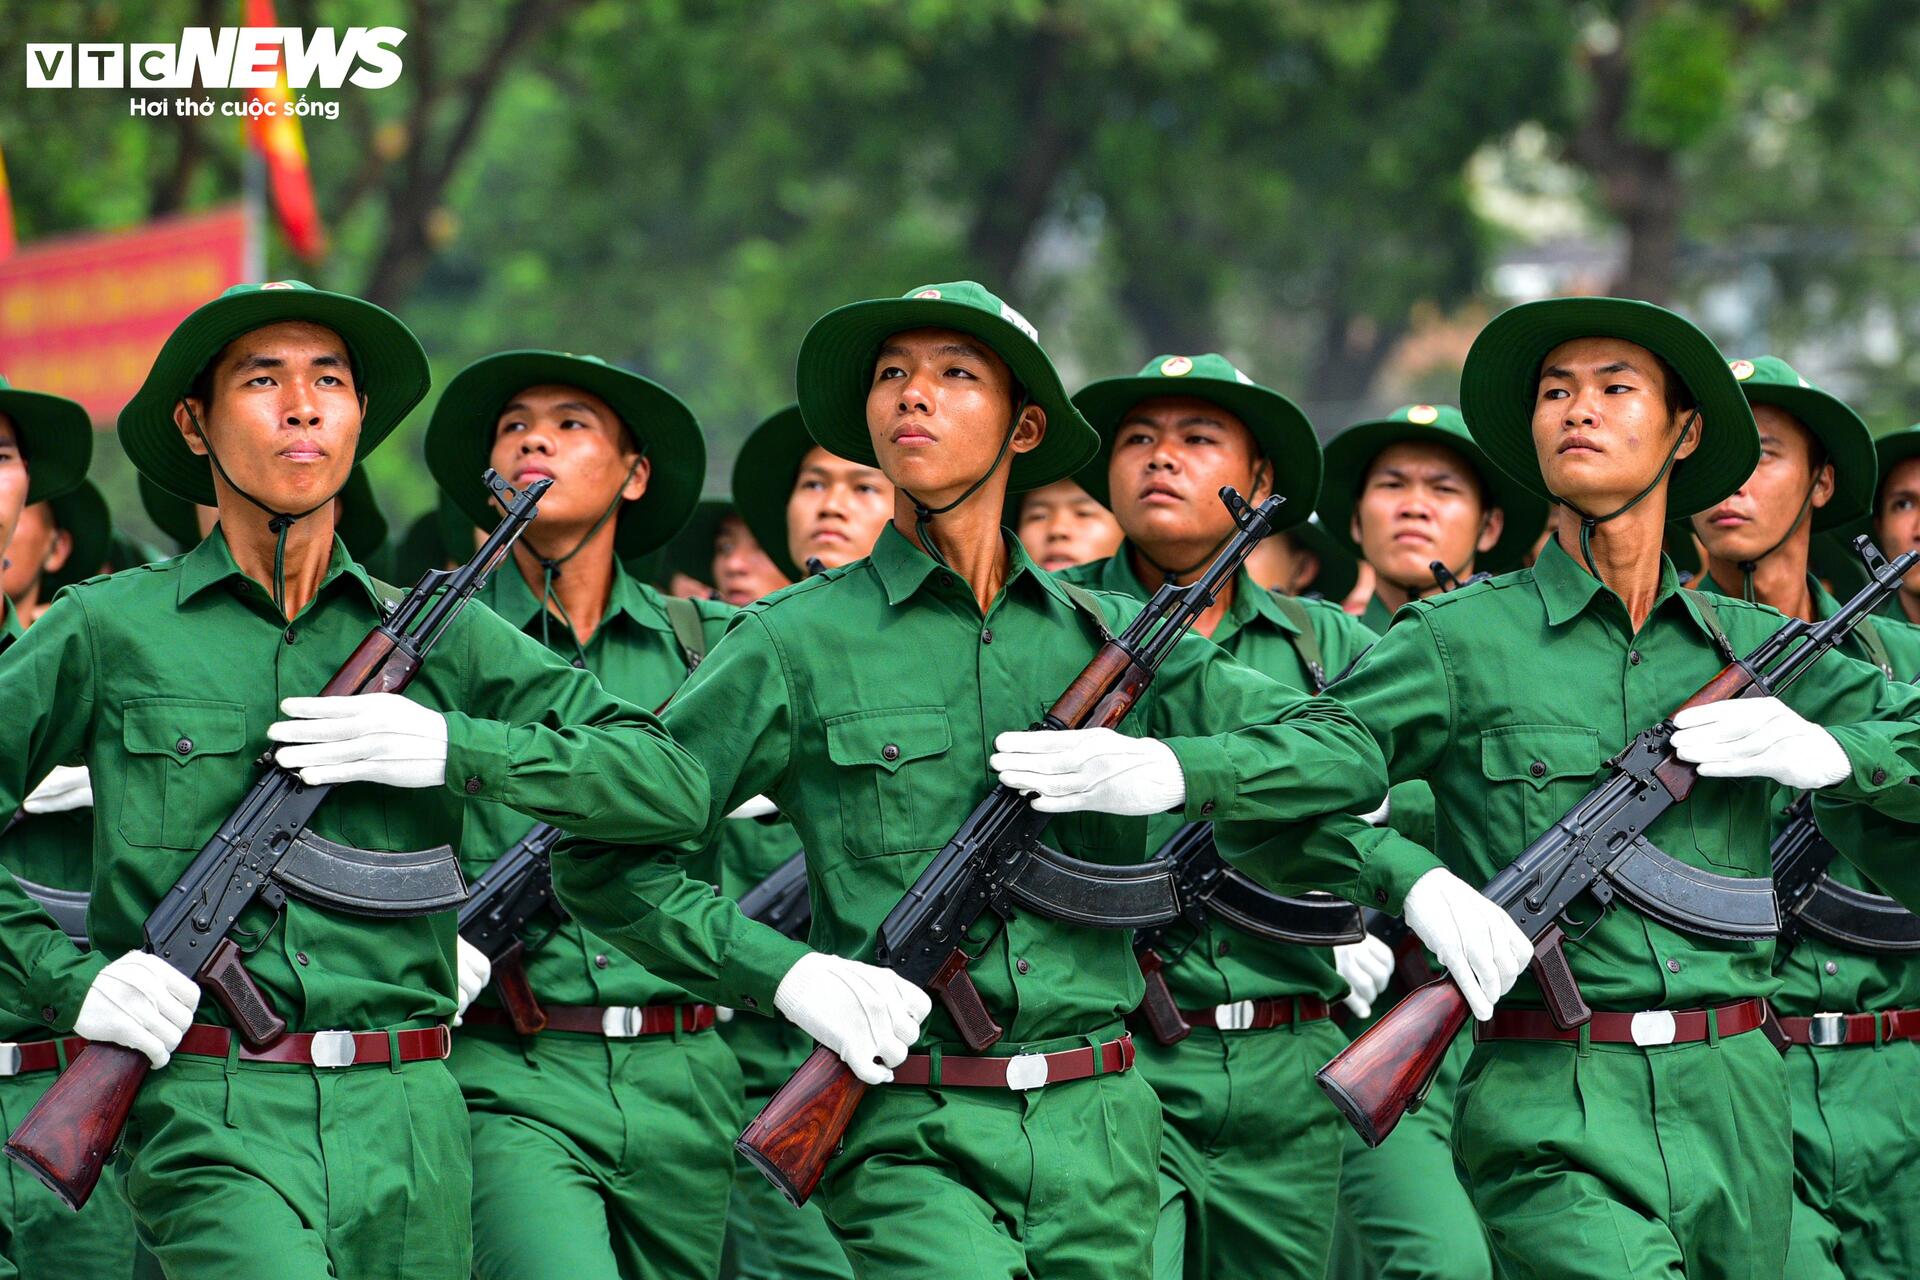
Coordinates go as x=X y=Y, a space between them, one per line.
x=593 y=1155
x=1508 y=696
x=878 y=763
x=1249 y=1156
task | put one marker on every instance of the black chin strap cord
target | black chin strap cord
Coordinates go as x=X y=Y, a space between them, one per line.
x=550 y=570
x=923 y=514
x=1589 y=523
x=1748 y=567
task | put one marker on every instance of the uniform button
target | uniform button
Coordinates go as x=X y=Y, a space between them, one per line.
x=1022 y=965
x=1832 y=968
x=1223 y=948
x=1380 y=896
x=1206 y=808
x=1879 y=777
x=600 y=961
x=749 y=1002
x=986 y=635
x=1634 y=657
x=946 y=579
x=473 y=786
x=580 y=663
x=184 y=746
x=890 y=752
x=290 y=636
x=1538 y=768
x=300 y=957
x=48 y=1014
x=1673 y=966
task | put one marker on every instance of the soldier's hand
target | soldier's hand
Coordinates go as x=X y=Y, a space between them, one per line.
x=1366 y=967
x=1758 y=738
x=1473 y=938
x=363 y=737
x=1076 y=770
x=69 y=786
x=868 y=1015
x=142 y=1002
x=472 y=972
x=754 y=807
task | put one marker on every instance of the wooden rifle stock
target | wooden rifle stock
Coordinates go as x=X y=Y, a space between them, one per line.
x=801 y=1127
x=1389 y=1067
x=68 y=1137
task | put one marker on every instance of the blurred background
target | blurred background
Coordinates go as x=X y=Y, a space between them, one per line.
x=1336 y=193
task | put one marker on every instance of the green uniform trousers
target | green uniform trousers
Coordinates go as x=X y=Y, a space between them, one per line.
x=39 y=1236
x=1054 y=1183
x=599 y=1159
x=1250 y=1152
x=301 y=1173
x=1617 y=1161
x=1856 y=1162
x=1403 y=1213
x=769 y=1239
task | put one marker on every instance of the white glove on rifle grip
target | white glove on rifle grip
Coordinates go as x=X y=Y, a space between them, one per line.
x=1366 y=967
x=69 y=786
x=868 y=1015
x=362 y=737
x=1474 y=940
x=1758 y=738
x=472 y=972
x=142 y=1002
x=1098 y=770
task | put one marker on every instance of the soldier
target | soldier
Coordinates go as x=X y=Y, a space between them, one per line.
x=1304 y=561
x=803 y=503
x=169 y=679
x=1654 y=1139
x=1062 y=525
x=57 y=542
x=1896 y=511
x=1250 y=1157
x=878 y=761
x=1847 y=1012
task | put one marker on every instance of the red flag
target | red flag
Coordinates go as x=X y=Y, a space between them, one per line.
x=6 y=212
x=277 y=137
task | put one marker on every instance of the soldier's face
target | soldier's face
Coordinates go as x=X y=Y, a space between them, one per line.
x=837 y=509
x=1061 y=525
x=574 y=438
x=938 y=408
x=1601 y=426
x=283 y=414
x=1171 y=455
x=13 y=480
x=1756 y=516
x=742 y=571
x=1896 y=520
x=39 y=546
x=1420 y=502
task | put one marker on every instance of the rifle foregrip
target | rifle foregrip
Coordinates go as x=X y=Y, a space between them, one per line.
x=1389 y=1067
x=226 y=979
x=801 y=1126
x=376 y=666
x=69 y=1135
x=516 y=993
x=1076 y=705
x=1157 y=1007
x=1557 y=983
x=969 y=1012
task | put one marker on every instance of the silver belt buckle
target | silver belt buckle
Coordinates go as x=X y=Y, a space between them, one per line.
x=620 y=1022
x=332 y=1049
x=1237 y=1016
x=1656 y=1026
x=9 y=1058
x=1827 y=1030
x=1026 y=1071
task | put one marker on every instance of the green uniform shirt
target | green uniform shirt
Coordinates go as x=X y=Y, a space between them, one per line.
x=1510 y=695
x=1219 y=964
x=1376 y=617
x=864 y=702
x=165 y=679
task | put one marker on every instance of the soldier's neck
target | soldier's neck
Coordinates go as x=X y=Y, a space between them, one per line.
x=1151 y=576
x=1390 y=593
x=251 y=543
x=1909 y=605
x=1779 y=580
x=1626 y=549
x=968 y=538
x=582 y=583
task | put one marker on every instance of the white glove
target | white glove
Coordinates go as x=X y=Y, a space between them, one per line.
x=868 y=1015
x=1074 y=770
x=1366 y=967
x=1758 y=738
x=142 y=1002
x=363 y=737
x=755 y=807
x=472 y=971
x=1378 y=818
x=1474 y=940
x=69 y=786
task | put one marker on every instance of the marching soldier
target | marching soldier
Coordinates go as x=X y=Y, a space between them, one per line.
x=1853 y=1017
x=1062 y=525
x=1896 y=512
x=1655 y=1139
x=804 y=503
x=877 y=762
x=1250 y=1156
x=169 y=679
x=60 y=541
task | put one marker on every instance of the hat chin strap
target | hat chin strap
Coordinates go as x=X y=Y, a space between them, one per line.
x=1748 y=567
x=550 y=568
x=1589 y=523
x=278 y=522
x=923 y=514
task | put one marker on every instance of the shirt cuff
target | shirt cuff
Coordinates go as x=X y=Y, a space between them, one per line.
x=759 y=957
x=1877 y=771
x=1209 y=776
x=59 y=984
x=1390 y=868
x=478 y=764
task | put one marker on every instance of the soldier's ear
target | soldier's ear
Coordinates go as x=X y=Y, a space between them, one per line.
x=1695 y=426
x=1030 y=430
x=637 y=482
x=1823 y=486
x=185 y=410
x=1492 y=525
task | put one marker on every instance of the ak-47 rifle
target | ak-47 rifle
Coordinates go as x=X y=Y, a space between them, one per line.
x=264 y=852
x=1599 y=847
x=781 y=899
x=995 y=862
x=516 y=888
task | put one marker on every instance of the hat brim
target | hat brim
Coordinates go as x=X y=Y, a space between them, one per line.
x=1349 y=454
x=1277 y=424
x=82 y=512
x=1502 y=371
x=390 y=369
x=836 y=368
x=460 y=439
x=57 y=440
x=170 y=513
x=763 y=474
x=691 y=551
x=1847 y=441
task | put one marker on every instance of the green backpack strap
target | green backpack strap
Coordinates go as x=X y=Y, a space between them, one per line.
x=1711 y=616
x=1876 y=647
x=1085 y=601
x=685 y=617
x=1303 y=641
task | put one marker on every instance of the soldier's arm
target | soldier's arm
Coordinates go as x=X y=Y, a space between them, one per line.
x=1876 y=722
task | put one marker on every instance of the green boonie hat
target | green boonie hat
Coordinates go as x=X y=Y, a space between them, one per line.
x=56 y=438
x=763 y=474
x=460 y=438
x=1339 y=567
x=836 y=368
x=364 y=530
x=1350 y=453
x=1503 y=369
x=82 y=512
x=690 y=552
x=1282 y=430
x=1840 y=431
x=390 y=369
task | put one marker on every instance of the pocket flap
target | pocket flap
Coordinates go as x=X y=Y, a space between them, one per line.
x=888 y=738
x=1539 y=753
x=184 y=729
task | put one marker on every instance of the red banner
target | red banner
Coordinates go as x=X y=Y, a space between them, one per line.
x=83 y=316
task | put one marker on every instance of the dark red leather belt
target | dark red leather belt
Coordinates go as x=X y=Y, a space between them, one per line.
x=1836 y=1030
x=36 y=1055
x=1021 y=1071
x=322 y=1048
x=1258 y=1015
x=616 y=1022
x=1657 y=1026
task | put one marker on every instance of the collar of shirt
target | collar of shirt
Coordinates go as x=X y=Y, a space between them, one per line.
x=510 y=597
x=1568 y=590
x=904 y=568
x=10 y=628
x=1252 y=604
x=211 y=563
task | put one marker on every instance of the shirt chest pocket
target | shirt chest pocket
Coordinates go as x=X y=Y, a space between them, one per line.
x=181 y=758
x=883 y=758
x=1539 y=771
